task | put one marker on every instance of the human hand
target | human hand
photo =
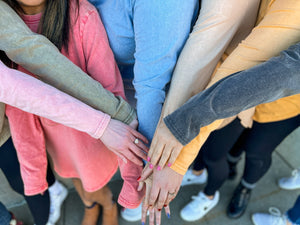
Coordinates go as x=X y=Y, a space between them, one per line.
x=164 y=148
x=161 y=188
x=154 y=213
x=125 y=142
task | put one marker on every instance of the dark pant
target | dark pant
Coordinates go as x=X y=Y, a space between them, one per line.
x=258 y=142
x=39 y=205
x=293 y=213
x=5 y=216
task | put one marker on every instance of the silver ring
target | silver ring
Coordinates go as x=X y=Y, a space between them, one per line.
x=136 y=141
x=172 y=193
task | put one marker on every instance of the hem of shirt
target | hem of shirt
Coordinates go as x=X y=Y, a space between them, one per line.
x=94 y=187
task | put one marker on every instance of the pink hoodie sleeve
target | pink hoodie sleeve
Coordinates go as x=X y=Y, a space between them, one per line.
x=33 y=96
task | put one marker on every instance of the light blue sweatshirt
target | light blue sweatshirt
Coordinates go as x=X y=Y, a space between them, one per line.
x=146 y=37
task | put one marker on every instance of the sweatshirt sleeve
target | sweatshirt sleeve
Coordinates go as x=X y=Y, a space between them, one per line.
x=278 y=77
x=33 y=96
x=38 y=55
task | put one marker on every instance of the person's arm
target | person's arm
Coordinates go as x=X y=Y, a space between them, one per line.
x=31 y=95
x=277 y=78
x=160 y=31
x=221 y=24
x=38 y=55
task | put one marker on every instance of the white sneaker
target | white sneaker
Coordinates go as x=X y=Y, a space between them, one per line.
x=199 y=207
x=57 y=197
x=132 y=215
x=291 y=183
x=190 y=178
x=274 y=218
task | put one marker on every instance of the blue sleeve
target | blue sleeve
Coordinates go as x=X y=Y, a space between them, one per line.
x=161 y=28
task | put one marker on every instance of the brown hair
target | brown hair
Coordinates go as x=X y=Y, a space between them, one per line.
x=55 y=23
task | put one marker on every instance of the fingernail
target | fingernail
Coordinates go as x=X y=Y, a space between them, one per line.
x=150 y=205
x=143 y=223
x=168 y=215
x=139 y=178
x=151 y=166
x=169 y=164
x=158 y=168
x=165 y=205
x=148 y=159
x=159 y=210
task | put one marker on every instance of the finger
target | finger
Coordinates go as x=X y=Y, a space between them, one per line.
x=132 y=157
x=142 y=147
x=140 y=187
x=151 y=216
x=158 y=216
x=168 y=212
x=176 y=151
x=152 y=148
x=137 y=151
x=139 y=136
x=122 y=157
x=165 y=156
x=157 y=154
x=162 y=198
x=146 y=172
x=153 y=195
x=144 y=213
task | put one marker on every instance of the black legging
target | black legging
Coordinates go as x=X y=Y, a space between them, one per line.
x=259 y=142
x=39 y=205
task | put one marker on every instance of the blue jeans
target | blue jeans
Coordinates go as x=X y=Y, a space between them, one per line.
x=146 y=38
x=293 y=214
x=5 y=216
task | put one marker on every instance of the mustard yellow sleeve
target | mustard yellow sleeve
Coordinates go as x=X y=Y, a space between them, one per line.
x=278 y=29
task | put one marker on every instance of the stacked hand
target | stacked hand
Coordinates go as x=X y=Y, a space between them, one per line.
x=161 y=188
x=125 y=141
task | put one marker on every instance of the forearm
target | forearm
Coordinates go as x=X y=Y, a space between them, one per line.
x=31 y=95
x=39 y=56
x=279 y=77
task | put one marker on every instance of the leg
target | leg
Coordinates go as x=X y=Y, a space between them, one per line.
x=260 y=143
x=39 y=204
x=215 y=151
x=5 y=216
x=264 y=138
x=102 y=197
x=293 y=213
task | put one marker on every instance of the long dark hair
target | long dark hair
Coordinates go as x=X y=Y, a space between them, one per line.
x=55 y=23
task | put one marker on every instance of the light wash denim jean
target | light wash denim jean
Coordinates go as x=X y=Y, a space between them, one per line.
x=146 y=38
x=5 y=216
x=293 y=214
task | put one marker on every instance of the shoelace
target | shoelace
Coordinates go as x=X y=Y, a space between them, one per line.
x=295 y=174
x=279 y=217
x=196 y=199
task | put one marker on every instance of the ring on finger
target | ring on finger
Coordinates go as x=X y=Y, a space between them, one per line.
x=172 y=193
x=136 y=141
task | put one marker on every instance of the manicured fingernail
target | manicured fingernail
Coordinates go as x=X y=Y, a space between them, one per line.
x=148 y=159
x=159 y=210
x=143 y=223
x=139 y=178
x=168 y=215
x=165 y=205
x=150 y=205
x=158 y=168
x=151 y=166
x=169 y=164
